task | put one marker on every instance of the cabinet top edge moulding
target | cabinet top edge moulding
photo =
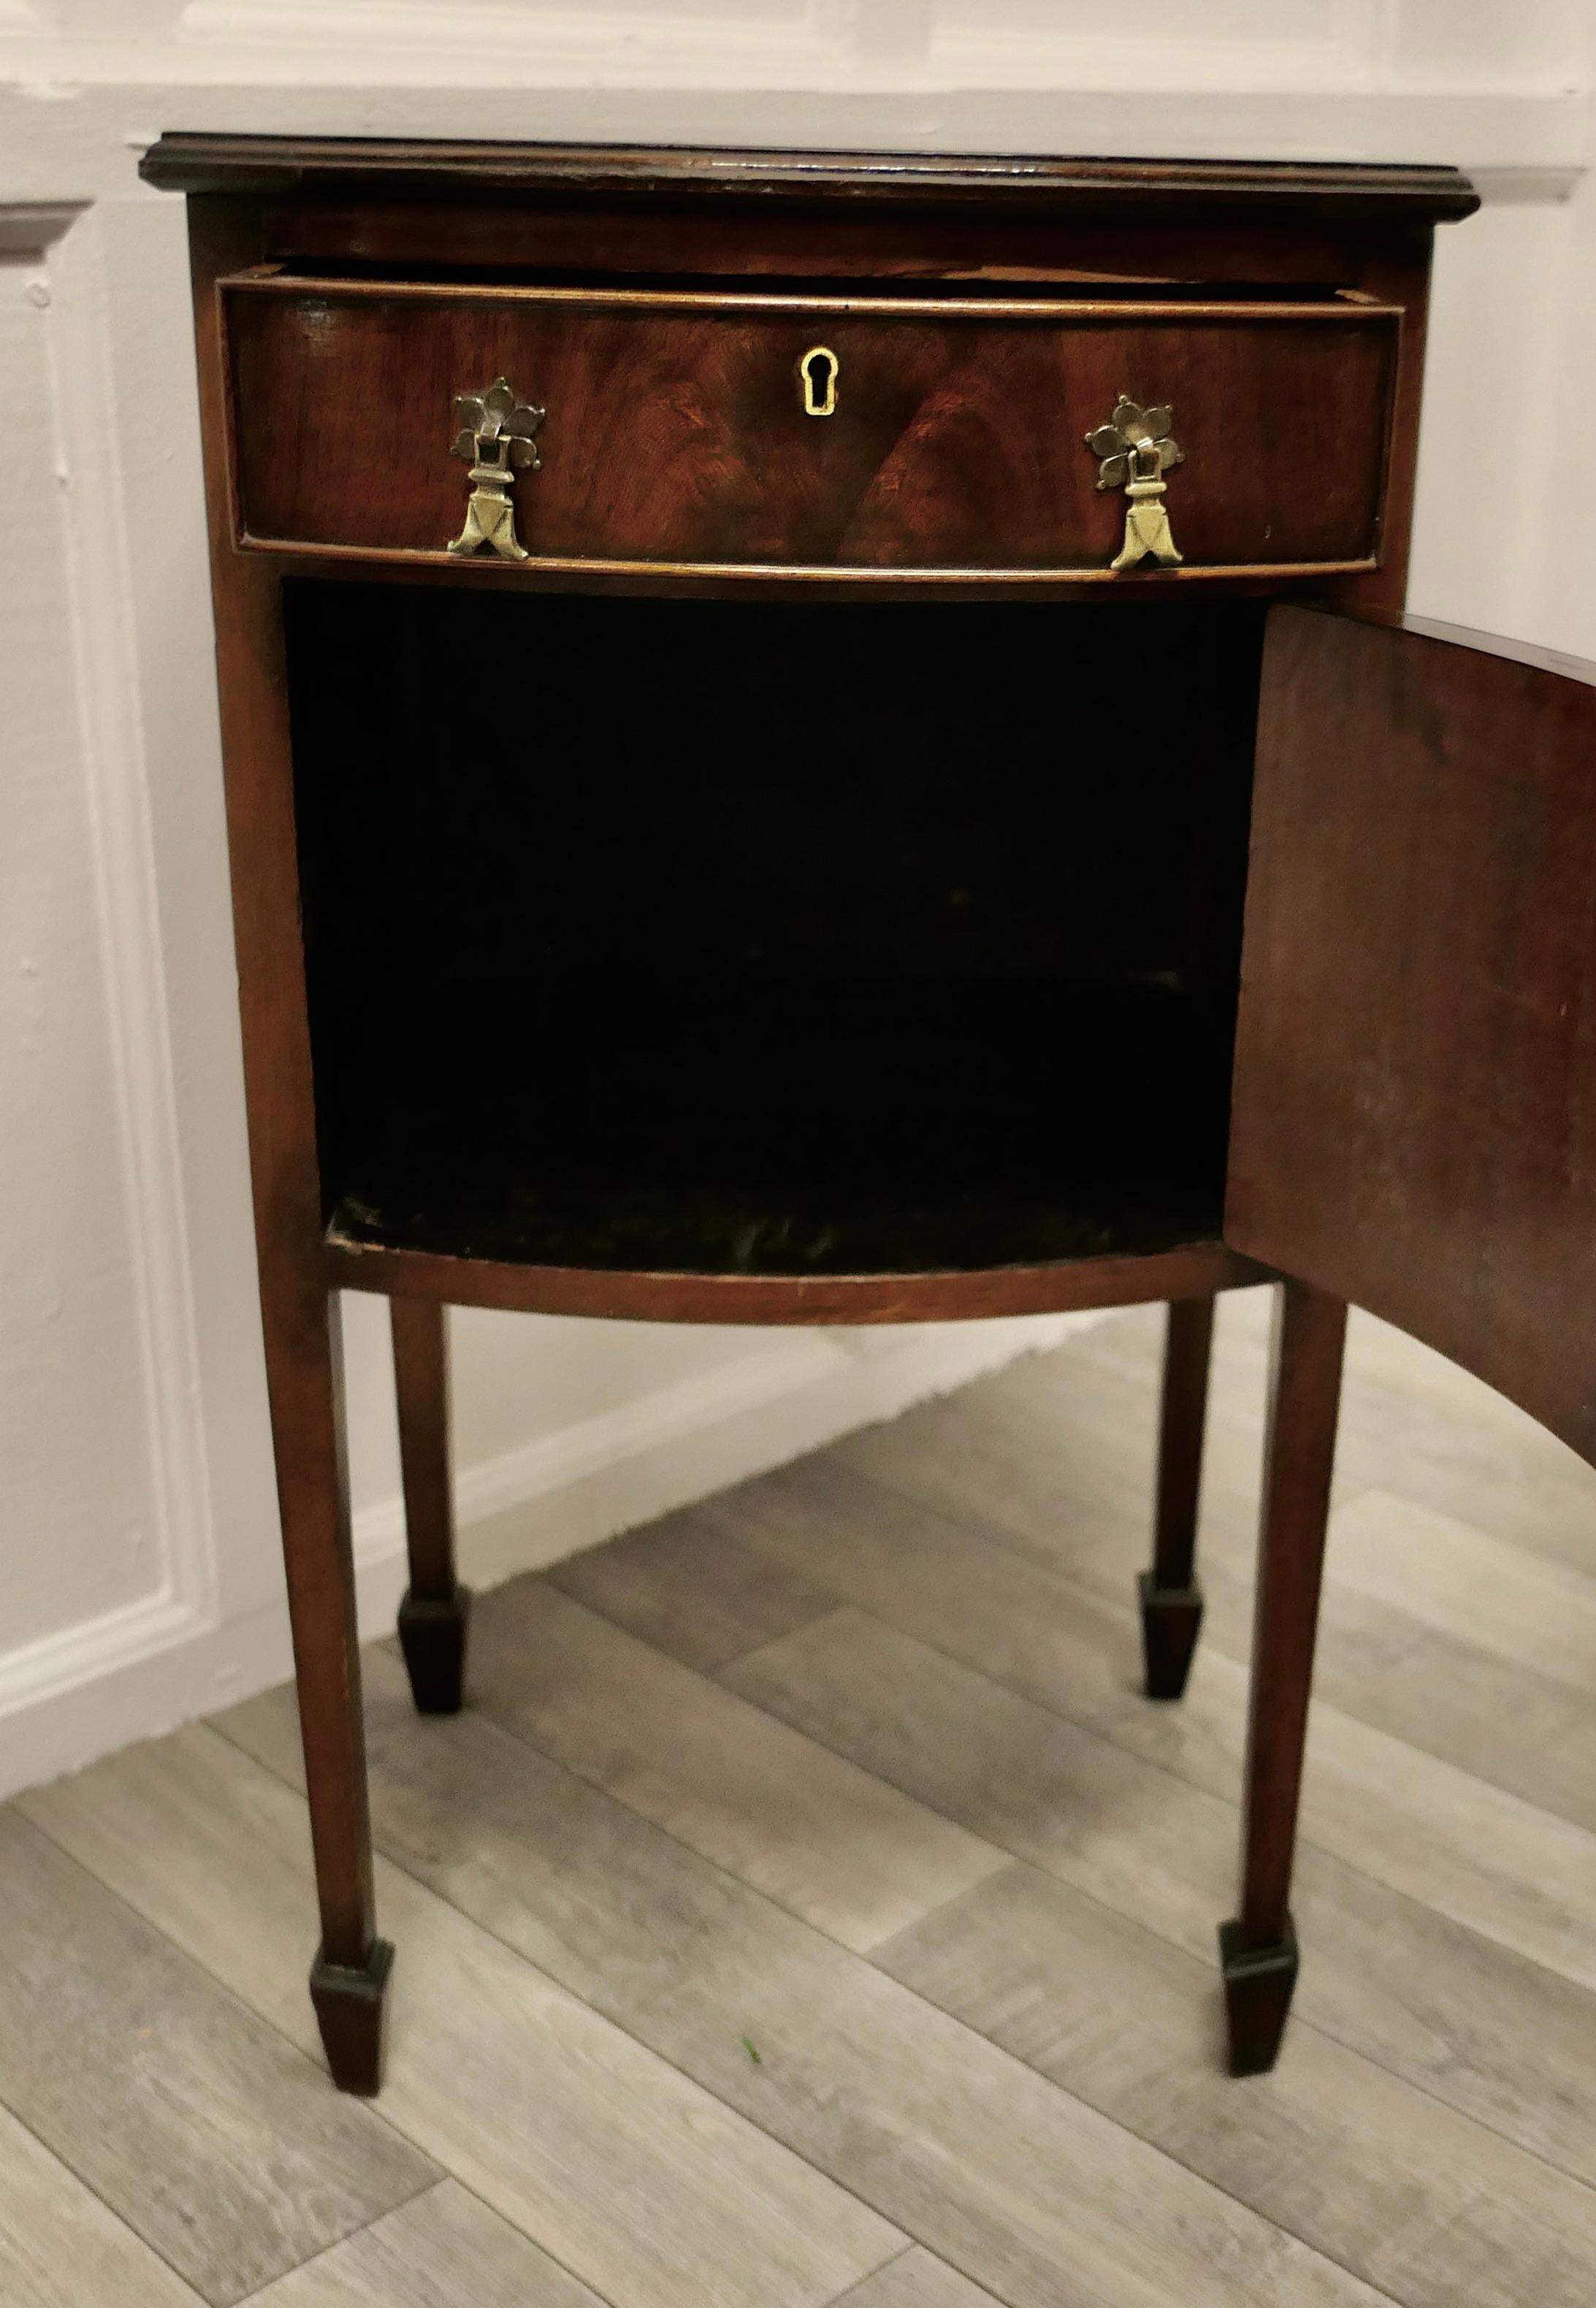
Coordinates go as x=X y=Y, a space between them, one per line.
x=402 y=168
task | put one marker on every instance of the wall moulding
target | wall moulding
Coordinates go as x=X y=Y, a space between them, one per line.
x=105 y=675
x=33 y=231
x=84 y=86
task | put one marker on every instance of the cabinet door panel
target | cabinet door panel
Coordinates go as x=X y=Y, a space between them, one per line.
x=1415 y=1110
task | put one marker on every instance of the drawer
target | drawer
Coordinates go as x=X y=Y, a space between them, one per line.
x=853 y=437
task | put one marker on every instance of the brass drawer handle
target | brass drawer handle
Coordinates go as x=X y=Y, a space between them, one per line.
x=1137 y=452
x=496 y=439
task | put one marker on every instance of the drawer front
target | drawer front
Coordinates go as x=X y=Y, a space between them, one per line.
x=685 y=431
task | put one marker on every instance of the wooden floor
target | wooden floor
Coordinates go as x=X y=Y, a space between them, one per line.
x=811 y=1910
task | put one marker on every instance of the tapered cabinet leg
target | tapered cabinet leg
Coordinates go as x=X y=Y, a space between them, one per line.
x=349 y=1978
x=435 y=1613
x=1258 y=1947
x=1170 y=1599
x=299 y=1319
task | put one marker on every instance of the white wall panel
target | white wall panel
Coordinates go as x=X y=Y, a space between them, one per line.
x=139 y=1544
x=1482 y=531
x=80 y=1524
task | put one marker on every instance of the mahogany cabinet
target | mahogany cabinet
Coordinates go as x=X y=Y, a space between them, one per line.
x=831 y=738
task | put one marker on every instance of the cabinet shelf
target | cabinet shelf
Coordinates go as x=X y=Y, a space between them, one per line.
x=836 y=1127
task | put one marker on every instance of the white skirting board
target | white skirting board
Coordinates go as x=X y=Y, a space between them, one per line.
x=144 y=1671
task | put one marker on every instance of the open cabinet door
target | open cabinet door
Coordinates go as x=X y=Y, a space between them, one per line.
x=1415 y=1096
x=1414 y=1119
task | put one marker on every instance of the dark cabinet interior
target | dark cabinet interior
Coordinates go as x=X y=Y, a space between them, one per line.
x=774 y=937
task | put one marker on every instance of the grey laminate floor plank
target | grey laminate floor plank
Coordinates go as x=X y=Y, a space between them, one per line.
x=443 y=2247
x=1424 y=2204
x=1470 y=1586
x=680 y=1587
x=736 y=1995
x=852 y=1855
x=61 y=2247
x=208 y=2132
x=1040 y=1788
x=1055 y=1455
x=1483 y=1857
x=991 y=2167
x=1492 y=2034
x=1462 y=2187
x=917 y=2280
x=1440 y=1632
x=642 y=2183
x=1411 y=1422
x=1453 y=1696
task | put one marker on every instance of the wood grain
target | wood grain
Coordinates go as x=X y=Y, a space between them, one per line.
x=1415 y=1117
x=1421 y=1426
x=1089 y=1960
x=1426 y=2206
x=421 y=1387
x=916 y=2280
x=199 y=162
x=1471 y=1587
x=785 y=1299
x=1182 y=1410
x=551 y=2115
x=444 y=2247
x=1047 y=1791
x=678 y=435
x=689 y=1591
x=855 y=1858
x=299 y=1321
x=216 y=2141
x=1299 y=1453
x=1051 y=1459
x=497 y=234
x=1430 y=1950
x=1500 y=1866
x=1014 y=2183
x=60 y=2246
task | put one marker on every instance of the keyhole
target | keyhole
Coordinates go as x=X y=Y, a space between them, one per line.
x=817 y=374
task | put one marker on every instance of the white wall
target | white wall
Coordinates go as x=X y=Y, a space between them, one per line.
x=138 y=1556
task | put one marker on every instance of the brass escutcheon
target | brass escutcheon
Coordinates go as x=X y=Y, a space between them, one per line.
x=817 y=380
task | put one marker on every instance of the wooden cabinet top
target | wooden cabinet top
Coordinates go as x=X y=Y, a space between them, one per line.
x=382 y=169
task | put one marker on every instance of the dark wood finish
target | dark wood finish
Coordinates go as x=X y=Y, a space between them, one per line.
x=432 y=1617
x=421 y=1386
x=1258 y=1947
x=1415 y=1115
x=1171 y=1601
x=1186 y=252
x=433 y=1635
x=375 y=168
x=797 y=1299
x=676 y=432
x=1397 y=273
x=298 y=1318
x=1259 y=1984
x=548 y=573
x=351 y=2009
x=657 y=301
